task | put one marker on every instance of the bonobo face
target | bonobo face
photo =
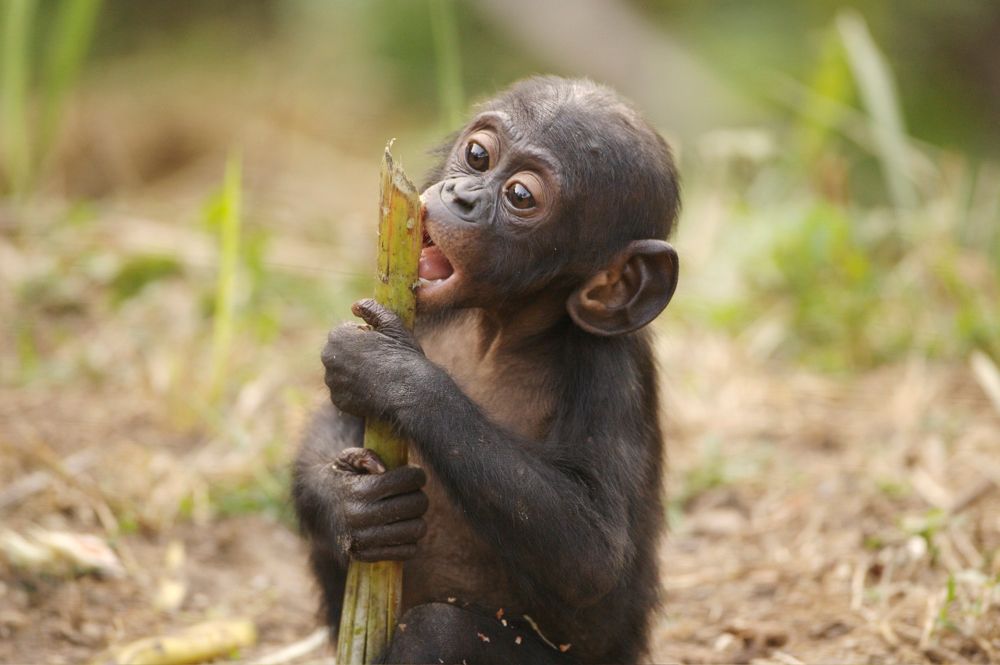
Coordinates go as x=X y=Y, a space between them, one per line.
x=547 y=182
x=498 y=199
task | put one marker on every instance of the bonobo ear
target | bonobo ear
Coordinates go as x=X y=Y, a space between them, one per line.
x=629 y=293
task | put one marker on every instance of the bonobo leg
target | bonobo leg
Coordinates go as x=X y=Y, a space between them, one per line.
x=446 y=633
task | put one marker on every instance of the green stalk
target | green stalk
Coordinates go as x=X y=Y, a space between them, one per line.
x=68 y=44
x=18 y=19
x=373 y=593
x=225 y=289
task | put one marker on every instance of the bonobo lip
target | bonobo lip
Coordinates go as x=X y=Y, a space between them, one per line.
x=436 y=273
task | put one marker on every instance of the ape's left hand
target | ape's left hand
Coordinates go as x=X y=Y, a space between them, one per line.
x=373 y=370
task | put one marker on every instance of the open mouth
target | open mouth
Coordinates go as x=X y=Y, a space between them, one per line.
x=434 y=267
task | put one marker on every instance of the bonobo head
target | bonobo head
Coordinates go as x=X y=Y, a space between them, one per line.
x=555 y=187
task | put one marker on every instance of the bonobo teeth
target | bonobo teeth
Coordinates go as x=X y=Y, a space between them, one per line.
x=431 y=282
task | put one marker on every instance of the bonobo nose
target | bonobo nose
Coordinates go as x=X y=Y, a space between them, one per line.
x=465 y=197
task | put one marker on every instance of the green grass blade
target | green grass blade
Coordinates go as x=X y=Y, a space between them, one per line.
x=821 y=113
x=66 y=50
x=18 y=20
x=446 y=55
x=878 y=93
x=225 y=291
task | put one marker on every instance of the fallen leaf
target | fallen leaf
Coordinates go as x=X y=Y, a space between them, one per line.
x=85 y=552
x=205 y=641
x=60 y=553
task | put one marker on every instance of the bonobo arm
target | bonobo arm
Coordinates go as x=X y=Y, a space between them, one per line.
x=557 y=510
x=329 y=433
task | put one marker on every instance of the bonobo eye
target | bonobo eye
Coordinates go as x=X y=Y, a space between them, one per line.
x=520 y=197
x=481 y=151
x=476 y=156
x=525 y=191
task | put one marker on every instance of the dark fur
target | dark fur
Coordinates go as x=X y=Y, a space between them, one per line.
x=544 y=458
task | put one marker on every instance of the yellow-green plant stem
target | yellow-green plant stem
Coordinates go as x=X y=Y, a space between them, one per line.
x=17 y=22
x=71 y=37
x=373 y=592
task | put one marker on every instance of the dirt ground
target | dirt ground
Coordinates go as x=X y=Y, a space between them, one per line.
x=800 y=525
x=814 y=518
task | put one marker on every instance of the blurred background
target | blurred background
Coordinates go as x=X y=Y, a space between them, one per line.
x=188 y=202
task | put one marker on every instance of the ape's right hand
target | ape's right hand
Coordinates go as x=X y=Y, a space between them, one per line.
x=380 y=512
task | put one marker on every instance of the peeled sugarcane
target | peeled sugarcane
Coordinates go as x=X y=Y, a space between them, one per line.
x=374 y=590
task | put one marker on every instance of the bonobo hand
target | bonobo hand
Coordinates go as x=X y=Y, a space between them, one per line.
x=373 y=370
x=380 y=512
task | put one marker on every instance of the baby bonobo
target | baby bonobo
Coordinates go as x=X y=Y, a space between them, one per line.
x=529 y=516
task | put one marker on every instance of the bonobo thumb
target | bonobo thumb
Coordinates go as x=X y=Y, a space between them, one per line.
x=359 y=460
x=383 y=320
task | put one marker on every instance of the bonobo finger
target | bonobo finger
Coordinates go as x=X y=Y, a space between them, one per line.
x=338 y=341
x=398 y=508
x=375 y=314
x=401 y=480
x=388 y=535
x=383 y=320
x=393 y=553
x=359 y=460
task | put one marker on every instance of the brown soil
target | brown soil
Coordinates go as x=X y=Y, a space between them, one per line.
x=791 y=544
